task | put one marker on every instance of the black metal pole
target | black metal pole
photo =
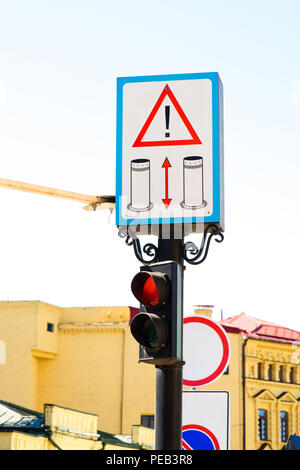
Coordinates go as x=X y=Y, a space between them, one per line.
x=168 y=411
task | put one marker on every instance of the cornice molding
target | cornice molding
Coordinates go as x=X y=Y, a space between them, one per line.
x=254 y=388
x=43 y=354
x=268 y=384
x=101 y=327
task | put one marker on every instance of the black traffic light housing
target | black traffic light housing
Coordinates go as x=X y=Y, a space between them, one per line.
x=158 y=325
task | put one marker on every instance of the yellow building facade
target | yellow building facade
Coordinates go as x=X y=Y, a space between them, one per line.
x=80 y=358
x=263 y=379
x=86 y=359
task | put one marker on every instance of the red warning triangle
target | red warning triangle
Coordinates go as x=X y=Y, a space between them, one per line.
x=139 y=140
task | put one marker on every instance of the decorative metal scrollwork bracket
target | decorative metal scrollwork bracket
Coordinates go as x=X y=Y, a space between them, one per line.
x=189 y=248
x=149 y=249
x=200 y=254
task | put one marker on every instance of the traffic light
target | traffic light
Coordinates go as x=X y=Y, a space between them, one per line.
x=158 y=325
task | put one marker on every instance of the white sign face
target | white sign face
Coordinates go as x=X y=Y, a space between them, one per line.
x=206 y=351
x=205 y=420
x=168 y=149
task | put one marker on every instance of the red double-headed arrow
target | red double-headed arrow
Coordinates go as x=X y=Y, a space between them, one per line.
x=166 y=165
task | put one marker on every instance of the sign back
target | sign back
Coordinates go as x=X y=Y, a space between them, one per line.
x=205 y=420
x=169 y=151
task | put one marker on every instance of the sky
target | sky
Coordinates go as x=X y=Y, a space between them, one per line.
x=59 y=61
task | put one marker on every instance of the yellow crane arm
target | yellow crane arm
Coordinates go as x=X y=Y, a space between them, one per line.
x=94 y=202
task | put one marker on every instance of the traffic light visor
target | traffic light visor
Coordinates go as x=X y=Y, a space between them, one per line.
x=151 y=289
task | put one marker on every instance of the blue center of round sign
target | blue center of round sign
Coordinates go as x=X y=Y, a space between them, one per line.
x=194 y=439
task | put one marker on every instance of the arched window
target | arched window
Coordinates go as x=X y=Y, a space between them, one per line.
x=284 y=425
x=262 y=425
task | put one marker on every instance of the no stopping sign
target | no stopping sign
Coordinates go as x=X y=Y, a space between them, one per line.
x=195 y=437
x=206 y=351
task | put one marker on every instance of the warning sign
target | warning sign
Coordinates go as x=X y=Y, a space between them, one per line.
x=169 y=140
x=169 y=150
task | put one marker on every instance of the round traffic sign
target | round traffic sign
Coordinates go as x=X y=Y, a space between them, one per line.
x=196 y=437
x=206 y=351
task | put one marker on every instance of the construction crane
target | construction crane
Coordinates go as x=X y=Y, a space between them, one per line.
x=93 y=202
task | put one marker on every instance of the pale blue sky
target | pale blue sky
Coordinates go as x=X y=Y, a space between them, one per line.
x=58 y=66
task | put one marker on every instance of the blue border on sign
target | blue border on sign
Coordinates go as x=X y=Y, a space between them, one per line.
x=215 y=217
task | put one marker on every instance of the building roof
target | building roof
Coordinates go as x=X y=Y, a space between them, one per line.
x=12 y=415
x=259 y=329
x=117 y=440
x=19 y=419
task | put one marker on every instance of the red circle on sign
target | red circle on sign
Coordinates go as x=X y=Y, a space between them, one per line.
x=226 y=351
x=205 y=431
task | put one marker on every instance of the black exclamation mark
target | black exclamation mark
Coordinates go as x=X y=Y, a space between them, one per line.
x=167 y=115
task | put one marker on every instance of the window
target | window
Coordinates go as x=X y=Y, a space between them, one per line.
x=147 y=421
x=292 y=375
x=262 y=425
x=259 y=370
x=270 y=372
x=284 y=426
x=50 y=327
x=281 y=373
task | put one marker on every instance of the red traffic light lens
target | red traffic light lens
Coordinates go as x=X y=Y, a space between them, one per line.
x=151 y=289
x=150 y=293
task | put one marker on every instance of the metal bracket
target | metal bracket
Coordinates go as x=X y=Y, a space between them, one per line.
x=200 y=254
x=132 y=240
x=103 y=202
